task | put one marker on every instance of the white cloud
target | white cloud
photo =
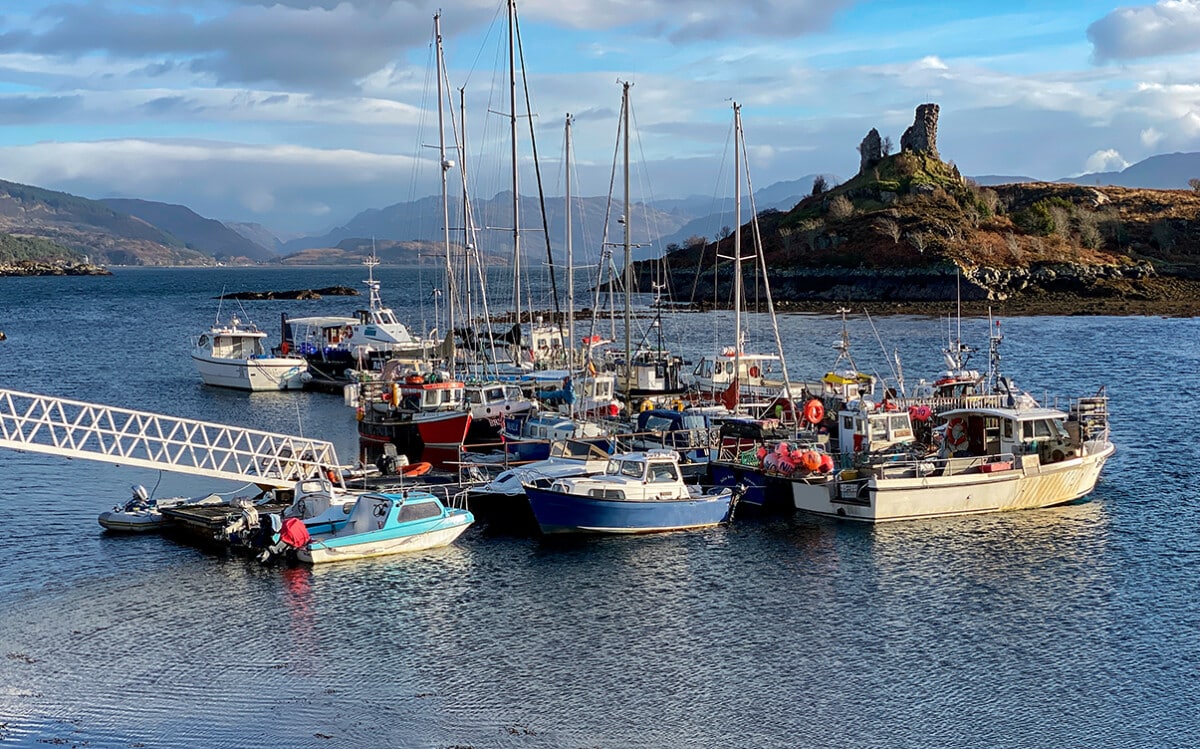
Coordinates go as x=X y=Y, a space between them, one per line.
x=1165 y=28
x=1106 y=160
x=1151 y=137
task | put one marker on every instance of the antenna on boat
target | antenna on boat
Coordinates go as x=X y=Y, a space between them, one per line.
x=994 y=340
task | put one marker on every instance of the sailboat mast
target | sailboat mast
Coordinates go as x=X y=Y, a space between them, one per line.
x=446 y=165
x=512 y=103
x=569 y=343
x=628 y=250
x=737 y=242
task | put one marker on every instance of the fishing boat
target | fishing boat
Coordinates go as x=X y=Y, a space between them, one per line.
x=990 y=458
x=233 y=356
x=142 y=513
x=639 y=492
x=379 y=524
x=424 y=416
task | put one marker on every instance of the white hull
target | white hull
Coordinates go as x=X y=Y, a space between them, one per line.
x=1027 y=485
x=251 y=374
x=317 y=554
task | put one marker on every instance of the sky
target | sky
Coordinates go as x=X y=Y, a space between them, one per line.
x=298 y=114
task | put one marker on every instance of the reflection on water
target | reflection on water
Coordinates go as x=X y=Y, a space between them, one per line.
x=1072 y=626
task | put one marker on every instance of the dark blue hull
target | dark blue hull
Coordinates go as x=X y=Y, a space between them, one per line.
x=558 y=512
x=760 y=490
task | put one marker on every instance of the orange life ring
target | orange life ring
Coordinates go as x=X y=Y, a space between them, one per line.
x=416 y=469
x=754 y=371
x=348 y=332
x=814 y=411
x=956 y=433
x=284 y=348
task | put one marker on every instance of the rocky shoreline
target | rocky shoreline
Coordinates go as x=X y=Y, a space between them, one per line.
x=1159 y=297
x=1042 y=289
x=36 y=268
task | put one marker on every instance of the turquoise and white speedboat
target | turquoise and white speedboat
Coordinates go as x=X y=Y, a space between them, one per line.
x=381 y=523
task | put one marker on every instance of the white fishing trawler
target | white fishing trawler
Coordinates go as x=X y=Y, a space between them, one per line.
x=1015 y=456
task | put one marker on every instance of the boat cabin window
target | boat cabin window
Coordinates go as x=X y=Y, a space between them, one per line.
x=1034 y=430
x=604 y=388
x=704 y=369
x=1008 y=429
x=848 y=423
x=474 y=397
x=419 y=511
x=901 y=427
x=879 y=428
x=659 y=424
x=492 y=395
x=663 y=473
x=631 y=468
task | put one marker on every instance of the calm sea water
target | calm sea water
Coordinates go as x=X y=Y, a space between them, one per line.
x=1070 y=627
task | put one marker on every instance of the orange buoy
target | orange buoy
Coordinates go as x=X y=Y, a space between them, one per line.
x=812 y=460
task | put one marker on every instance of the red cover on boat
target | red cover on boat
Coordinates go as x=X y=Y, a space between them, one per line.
x=294 y=532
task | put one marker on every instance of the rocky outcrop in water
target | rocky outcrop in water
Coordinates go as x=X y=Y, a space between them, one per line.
x=37 y=268
x=301 y=294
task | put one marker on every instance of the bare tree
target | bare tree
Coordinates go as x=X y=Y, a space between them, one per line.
x=820 y=184
x=889 y=227
x=886 y=146
x=1194 y=183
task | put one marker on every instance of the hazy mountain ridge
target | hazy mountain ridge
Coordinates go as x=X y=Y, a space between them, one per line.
x=205 y=235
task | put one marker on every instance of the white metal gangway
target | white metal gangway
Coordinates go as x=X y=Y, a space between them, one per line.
x=75 y=429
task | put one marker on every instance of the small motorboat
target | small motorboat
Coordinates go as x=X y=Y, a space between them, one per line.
x=141 y=513
x=639 y=492
x=378 y=524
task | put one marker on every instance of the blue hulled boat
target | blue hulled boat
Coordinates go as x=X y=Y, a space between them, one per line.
x=639 y=492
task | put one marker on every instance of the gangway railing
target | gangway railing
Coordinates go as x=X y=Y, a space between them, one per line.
x=76 y=429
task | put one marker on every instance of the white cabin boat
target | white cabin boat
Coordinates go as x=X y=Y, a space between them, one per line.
x=991 y=459
x=234 y=356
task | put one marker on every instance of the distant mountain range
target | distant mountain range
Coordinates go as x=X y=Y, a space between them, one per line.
x=144 y=232
x=1166 y=171
x=654 y=226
